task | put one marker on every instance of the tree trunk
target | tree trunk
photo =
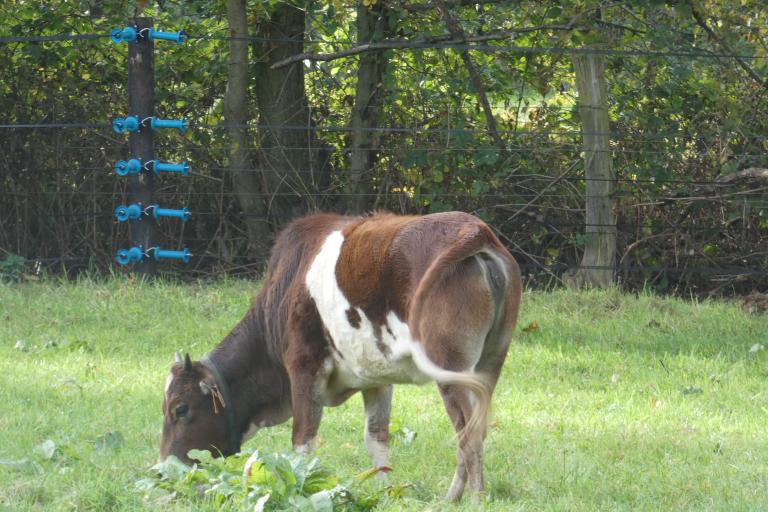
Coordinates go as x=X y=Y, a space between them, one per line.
x=598 y=263
x=295 y=167
x=236 y=111
x=366 y=114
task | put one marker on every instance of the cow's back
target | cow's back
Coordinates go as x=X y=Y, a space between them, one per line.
x=385 y=257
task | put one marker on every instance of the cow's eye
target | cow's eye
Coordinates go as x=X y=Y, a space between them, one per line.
x=181 y=410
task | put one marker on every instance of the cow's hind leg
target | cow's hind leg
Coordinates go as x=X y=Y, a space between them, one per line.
x=378 y=404
x=459 y=331
x=459 y=404
x=469 y=458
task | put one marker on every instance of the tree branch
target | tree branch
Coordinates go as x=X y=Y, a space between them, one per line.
x=474 y=75
x=719 y=40
x=450 y=3
x=426 y=42
x=745 y=174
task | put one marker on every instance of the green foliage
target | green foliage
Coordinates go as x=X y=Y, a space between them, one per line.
x=256 y=480
x=675 y=119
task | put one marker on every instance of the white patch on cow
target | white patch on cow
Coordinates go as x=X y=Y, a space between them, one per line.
x=360 y=363
x=397 y=336
x=168 y=381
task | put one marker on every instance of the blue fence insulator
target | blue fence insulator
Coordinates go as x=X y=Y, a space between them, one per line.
x=182 y=214
x=178 y=124
x=127 y=124
x=130 y=212
x=124 y=168
x=177 y=37
x=182 y=168
x=124 y=35
x=165 y=254
x=132 y=255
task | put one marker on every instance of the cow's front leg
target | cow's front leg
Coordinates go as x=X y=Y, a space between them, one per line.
x=378 y=404
x=308 y=365
x=307 y=408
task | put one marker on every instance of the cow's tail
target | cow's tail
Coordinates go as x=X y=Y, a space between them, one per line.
x=480 y=241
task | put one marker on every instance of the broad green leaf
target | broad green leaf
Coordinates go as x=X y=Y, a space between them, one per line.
x=171 y=468
x=259 y=474
x=322 y=501
x=202 y=456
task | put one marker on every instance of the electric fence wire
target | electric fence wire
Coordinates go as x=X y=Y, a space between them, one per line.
x=405 y=44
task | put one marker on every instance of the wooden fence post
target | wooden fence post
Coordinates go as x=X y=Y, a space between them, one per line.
x=599 y=260
x=141 y=103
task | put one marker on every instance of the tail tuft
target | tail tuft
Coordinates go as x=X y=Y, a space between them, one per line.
x=477 y=423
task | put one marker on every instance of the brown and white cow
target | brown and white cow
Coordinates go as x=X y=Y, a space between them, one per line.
x=357 y=304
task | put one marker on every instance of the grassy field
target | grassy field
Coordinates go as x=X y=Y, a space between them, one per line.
x=614 y=402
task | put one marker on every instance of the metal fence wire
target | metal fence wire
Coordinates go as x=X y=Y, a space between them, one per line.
x=679 y=225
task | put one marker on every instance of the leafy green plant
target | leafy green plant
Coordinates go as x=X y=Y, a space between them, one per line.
x=260 y=481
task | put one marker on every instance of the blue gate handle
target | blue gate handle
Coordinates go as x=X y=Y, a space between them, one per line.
x=177 y=37
x=127 y=124
x=132 y=166
x=178 y=124
x=125 y=35
x=182 y=214
x=132 y=255
x=181 y=168
x=182 y=255
x=131 y=212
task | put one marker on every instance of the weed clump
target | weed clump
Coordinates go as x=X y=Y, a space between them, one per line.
x=260 y=481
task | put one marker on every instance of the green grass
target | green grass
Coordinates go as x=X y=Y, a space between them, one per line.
x=615 y=402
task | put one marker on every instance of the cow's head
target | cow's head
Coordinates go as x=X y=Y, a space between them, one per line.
x=193 y=410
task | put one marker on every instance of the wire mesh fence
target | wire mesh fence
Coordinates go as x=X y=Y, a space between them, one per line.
x=679 y=225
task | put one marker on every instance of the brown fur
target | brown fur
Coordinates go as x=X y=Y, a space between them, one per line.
x=445 y=275
x=365 y=270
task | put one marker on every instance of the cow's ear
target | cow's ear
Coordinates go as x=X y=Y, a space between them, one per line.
x=177 y=358
x=213 y=391
x=187 y=363
x=206 y=388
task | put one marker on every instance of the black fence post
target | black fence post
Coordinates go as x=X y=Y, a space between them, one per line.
x=141 y=103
